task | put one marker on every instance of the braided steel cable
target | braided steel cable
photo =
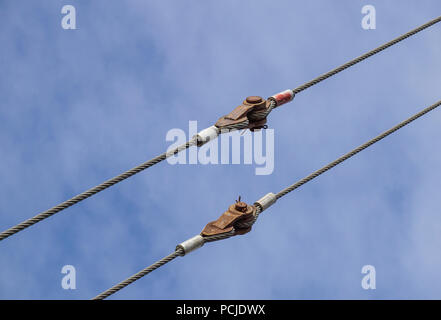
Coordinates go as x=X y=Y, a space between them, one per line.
x=178 y=252
x=365 y=56
x=219 y=237
x=139 y=275
x=355 y=151
x=86 y=194
x=163 y=261
x=260 y=115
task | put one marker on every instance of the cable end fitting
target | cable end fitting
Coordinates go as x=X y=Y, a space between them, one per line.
x=207 y=135
x=266 y=201
x=283 y=97
x=191 y=244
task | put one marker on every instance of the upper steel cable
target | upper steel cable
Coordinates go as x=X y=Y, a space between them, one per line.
x=86 y=194
x=261 y=205
x=210 y=133
x=365 y=56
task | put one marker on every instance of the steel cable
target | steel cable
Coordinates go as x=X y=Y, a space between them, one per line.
x=365 y=56
x=139 y=275
x=86 y=194
x=160 y=263
x=355 y=151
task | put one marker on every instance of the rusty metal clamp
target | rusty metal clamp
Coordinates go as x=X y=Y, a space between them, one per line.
x=240 y=211
x=240 y=115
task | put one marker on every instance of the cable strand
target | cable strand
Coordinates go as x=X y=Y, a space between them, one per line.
x=364 y=56
x=139 y=275
x=86 y=194
x=355 y=151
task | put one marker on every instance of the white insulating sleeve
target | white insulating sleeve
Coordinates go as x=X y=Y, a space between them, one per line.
x=266 y=201
x=191 y=244
x=207 y=134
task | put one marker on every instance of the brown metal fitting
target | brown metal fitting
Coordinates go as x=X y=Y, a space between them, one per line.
x=240 y=211
x=240 y=114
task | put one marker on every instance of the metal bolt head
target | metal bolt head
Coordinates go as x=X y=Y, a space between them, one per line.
x=241 y=206
x=254 y=99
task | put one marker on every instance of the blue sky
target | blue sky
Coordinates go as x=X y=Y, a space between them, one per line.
x=80 y=106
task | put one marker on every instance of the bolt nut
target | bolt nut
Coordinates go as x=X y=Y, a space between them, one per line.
x=241 y=206
x=254 y=99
